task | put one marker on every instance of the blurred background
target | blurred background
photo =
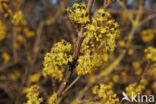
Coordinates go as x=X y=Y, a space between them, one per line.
x=29 y=28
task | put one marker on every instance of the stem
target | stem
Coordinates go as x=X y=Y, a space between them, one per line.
x=75 y=80
x=76 y=52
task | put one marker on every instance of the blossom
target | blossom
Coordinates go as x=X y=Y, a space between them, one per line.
x=32 y=93
x=52 y=99
x=148 y=35
x=77 y=13
x=18 y=18
x=99 y=38
x=105 y=92
x=56 y=58
x=2 y=31
x=136 y=88
x=150 y=53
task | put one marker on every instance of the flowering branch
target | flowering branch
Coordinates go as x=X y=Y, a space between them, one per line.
x=76 y=51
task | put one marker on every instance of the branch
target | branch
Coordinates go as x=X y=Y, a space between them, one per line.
x=75 y=80
x=76 y=51
x=148 y=19
x=14 y=42
x=8 y=65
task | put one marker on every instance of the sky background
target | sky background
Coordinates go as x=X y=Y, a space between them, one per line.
x=147 y=2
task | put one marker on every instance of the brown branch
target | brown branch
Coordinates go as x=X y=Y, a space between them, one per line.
x=76 y=52
x=143 y=73
x=148 y=19
x=106 y=3
x=119 y=11
x=14 y=44
x=37 y=41
x=64 y=83
x=75 y=80
x=8 y=65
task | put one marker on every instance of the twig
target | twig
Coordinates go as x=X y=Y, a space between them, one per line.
x=75 y=80
x=8 y=65
x=37 y=41
x=119 y=11
x=148 y=19
x=143 y=73
x=63 y=84
x=76 y=51
x=14 y=44
x=106 y=4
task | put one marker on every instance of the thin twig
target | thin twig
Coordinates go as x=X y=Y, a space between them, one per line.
x=148 y=19
x=106 y=3
x=37 y=41
x=8 y=65
x=75 y=80
x=76 y=52
x=14 y=44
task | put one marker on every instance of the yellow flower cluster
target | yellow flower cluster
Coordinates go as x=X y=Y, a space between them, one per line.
x=4 y=8
x=28 y=32
x=78 y=13
x=106 y=93
x=18 y=19
x=35 y=77
x=16 y=2
x=138 y=68
x=150 y=53
x=2 y=31
x=89 y=63
x=6 y=57
x=136 y=88
x=32 y=94
x=102 y=32
x=56 y=58
x=152 y=71
x=52 y=99
x=100 y=37
x=15 y=75
x=154 y=86
x=148 y=35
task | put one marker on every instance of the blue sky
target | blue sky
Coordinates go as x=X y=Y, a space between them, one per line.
x=147 y=3
x=54 y=1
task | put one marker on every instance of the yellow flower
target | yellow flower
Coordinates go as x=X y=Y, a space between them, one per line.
x=32 y=95
x=136 y=88
x=130 y=51
x=150 y=53
x=138 y=68
x=153 y=86
x=35 y=77
x=4 y=8
x=90 y=62
x=14 y=76
x=78 y=13
x=102 y=32
x=6 y=57
x=52 y=99
x=29 y=33
x=2 y=31
x=121 y=43
x=100 y=37
x=148 y=92
x=20 y=38
x=106 y=93
x=148 y=35
x=56 y=58
x=152 y=71
x=18 y=18
x=116 y=78
x=124 y=77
